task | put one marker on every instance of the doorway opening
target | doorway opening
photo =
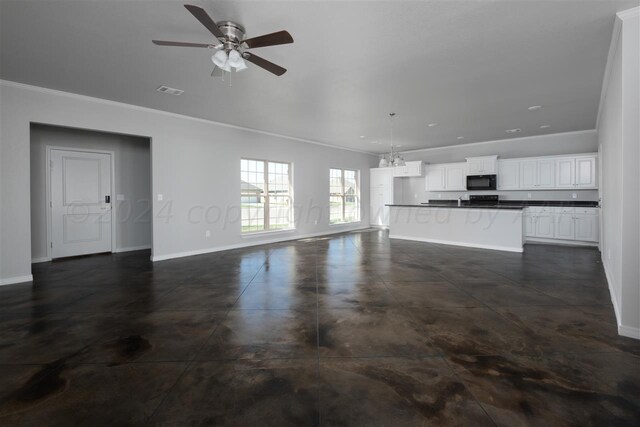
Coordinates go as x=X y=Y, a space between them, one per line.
x=90 y=192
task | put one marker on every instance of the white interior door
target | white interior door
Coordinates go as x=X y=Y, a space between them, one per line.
x=80 y=202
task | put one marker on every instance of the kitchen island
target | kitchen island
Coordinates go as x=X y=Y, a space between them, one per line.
x=496 y=227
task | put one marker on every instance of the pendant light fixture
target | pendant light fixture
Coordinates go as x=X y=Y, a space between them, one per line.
x=393 y=158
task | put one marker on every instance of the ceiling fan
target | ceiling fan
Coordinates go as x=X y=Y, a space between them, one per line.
x=231 y=44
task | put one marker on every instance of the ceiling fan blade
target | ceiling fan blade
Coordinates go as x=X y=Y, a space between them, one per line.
x=279 y=37
x=205 y=20
x=181 y=44
x=267 y=65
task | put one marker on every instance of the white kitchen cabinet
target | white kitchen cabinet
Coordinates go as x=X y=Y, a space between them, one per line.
x=529 y=224
x=586 y=227
x=410 y=169
x=537 y=174
x=533 y=173
x=560 y=223
x=565 y=226
x=576 y=172
x=508 y=175
x=586 y=172
x=486 y=165
x=436 y=178
x=455 y=178
x=565 y=172
x=546 y=173
x=545 y=222
x=528 y=174
x=384 y=190
x=446 y=177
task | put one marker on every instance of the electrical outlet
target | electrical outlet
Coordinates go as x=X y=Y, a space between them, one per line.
x=160 y=197
x=574 y=195
x=415 y=196
x=608 y=253
x=528 y=195
x=439 y=196
x=316 y=222
x=207 y=233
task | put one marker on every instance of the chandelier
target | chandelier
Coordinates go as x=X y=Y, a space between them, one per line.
x=393 y=158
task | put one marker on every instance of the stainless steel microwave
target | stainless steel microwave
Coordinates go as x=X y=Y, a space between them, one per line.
x=481 y=182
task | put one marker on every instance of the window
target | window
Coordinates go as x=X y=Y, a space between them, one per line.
x=344 y=199
x=265 y=195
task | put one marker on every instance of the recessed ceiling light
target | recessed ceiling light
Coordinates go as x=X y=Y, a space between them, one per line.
x=545 y=126
x=399 y=145
x=431 y=125
x=362 y=137
x=534 y=107
x=516 y=130
x=461 y=137
x=375 y=142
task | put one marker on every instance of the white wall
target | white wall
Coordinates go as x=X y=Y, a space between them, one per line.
x=547 y=145
x=132 y=160
x=619 y=136
x=195 y=163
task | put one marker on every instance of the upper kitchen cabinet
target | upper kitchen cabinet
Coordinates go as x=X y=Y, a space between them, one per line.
x=410 y=169
x=576 y=172
x=486 y=165
x=537 y=174
x=446 y=177
x=508 y=175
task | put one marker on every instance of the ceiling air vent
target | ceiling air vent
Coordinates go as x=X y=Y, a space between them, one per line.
x=169 y=90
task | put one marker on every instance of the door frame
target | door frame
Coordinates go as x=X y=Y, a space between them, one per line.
x=50 y=148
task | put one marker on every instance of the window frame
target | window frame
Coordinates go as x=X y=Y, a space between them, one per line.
x=266 y=220
x=343 y=196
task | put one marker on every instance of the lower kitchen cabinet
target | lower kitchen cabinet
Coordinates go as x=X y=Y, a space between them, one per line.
x=561 y=224
x=587 y=227
x=565 y=227
x=545 y=225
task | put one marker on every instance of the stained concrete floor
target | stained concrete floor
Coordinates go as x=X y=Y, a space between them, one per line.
x=352 y=329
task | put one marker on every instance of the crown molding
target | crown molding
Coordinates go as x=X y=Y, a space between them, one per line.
x=10 y=83
x=496 y=141
x=629 y=13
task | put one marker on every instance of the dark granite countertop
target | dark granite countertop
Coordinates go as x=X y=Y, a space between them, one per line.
x=463 y=206
x=503 y=204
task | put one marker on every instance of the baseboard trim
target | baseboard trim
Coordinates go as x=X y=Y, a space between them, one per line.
x=560 y=242
x=156 y=258
x=39 y=260
x=17 y=279
x=625 y=331
x=629 y=332
x=454 y=243
x=131 y=249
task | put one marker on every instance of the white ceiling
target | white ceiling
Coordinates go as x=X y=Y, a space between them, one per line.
x=473 y=67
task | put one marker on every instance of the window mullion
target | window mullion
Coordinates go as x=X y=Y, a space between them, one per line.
x=266 y=196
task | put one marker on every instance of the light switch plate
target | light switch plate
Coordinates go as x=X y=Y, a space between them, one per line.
x=574 y=195
x=160 y=197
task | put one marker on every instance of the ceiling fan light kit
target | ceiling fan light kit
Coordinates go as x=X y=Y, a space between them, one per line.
x=231 y=44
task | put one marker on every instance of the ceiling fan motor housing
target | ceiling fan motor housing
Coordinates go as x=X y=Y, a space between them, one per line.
x=233 y=32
